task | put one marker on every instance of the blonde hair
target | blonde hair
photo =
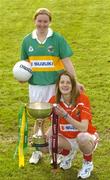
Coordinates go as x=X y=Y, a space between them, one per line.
x=43 y=11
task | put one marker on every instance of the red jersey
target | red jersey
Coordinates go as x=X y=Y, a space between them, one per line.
x=81 y=111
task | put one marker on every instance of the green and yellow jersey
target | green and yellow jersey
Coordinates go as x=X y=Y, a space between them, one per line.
x=45 y=58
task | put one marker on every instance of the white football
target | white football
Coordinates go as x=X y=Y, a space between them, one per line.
x=22 y=71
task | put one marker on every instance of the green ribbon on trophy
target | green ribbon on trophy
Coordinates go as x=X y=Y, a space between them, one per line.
x=22 y=134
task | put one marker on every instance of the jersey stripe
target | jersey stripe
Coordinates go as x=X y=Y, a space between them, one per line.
x=46 y=63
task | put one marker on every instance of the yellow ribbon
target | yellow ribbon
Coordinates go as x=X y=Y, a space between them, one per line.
x=21 y=143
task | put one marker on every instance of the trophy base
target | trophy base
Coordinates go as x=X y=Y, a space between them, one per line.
x=39 y=145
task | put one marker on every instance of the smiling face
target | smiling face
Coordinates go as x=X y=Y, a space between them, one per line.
x=42 y=22
x=65 y=85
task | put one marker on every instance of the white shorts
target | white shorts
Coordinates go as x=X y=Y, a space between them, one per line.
x=41 y=93
x=74 y=144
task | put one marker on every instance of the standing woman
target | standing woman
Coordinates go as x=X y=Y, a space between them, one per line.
x=75 y=124
x=49 y=54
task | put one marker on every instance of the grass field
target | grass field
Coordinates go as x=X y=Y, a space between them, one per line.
x=86 y=26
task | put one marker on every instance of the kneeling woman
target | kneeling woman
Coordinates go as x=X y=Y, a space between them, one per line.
x=75 y=124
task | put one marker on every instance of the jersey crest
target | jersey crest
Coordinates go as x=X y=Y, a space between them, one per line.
x=50 y=48
x=30 y=49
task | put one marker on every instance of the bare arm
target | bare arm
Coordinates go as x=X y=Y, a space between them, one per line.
x=81 y=126
x=69 y=66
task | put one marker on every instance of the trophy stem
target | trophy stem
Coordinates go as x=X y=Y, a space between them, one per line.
x=39 y=139
x=39 y=126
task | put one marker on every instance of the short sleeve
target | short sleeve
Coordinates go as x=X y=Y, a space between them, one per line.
x=85 y=109
x=65 y=50
x=24 y=55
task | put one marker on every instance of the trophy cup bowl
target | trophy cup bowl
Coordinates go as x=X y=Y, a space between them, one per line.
x=39 y=111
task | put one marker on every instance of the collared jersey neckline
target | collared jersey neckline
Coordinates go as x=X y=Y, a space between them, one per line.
x=34 y=35
x=66 y=105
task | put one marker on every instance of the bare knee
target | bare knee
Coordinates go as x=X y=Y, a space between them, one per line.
x=85 y=142
x=82 y=138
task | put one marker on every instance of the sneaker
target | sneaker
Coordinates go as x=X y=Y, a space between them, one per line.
x=67 y=160
x=36 y=156
x=59 y=159
x=86 y=170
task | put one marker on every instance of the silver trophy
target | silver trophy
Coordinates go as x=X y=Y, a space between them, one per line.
x=39 y=111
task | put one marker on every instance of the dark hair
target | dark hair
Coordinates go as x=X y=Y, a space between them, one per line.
x=75 y=90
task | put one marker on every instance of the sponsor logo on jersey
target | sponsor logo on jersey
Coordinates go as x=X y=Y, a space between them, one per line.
x=43 y=63
x=67 y=127
x=30 y=49
x=50 y=48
